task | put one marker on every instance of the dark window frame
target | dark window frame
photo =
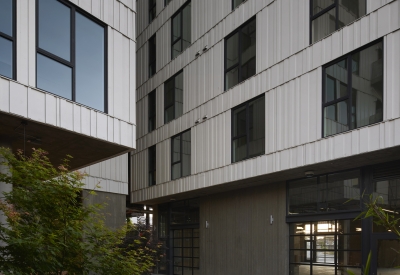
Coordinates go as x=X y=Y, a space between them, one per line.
x=233 y=138
x=72 y=64
x=172 y=78
x=152 y=116
x=179 y=12
x=349 y=96
x=233 y=4
x=238 y=30
x=152 y=55
x=180 y=152
x=151 y=9
x=13 y=39
x=324 y=11
x=152 y=166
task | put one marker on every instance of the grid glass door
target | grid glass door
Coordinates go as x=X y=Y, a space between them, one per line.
x=186 y=251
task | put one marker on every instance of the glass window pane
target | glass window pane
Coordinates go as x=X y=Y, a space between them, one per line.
x=6 y=17
x=367 y=85
x=335 y=118
x=176 y=148
x=169 y=114
x=341 y=191
x=323 y=25
x=248 y=51
x=319 y=5
x=388 y=260
x=336 y=81
x=176 y=171
x=176 y=48
x=388 y=192
x=90 y=63
x=152 y=111
x=55 y=28
x=232 y=50
x=178 y=95
x=303 y=196
x=54 y=77
x=186 y=153
x=350 y=10
x=239 y=121
x=300 y=269
x=237 y=3
x=257 y=127
x=152 y=56
x=6 y=57
x=176 y=27
x=232 y=78
x=186 y=27
x=239 y=149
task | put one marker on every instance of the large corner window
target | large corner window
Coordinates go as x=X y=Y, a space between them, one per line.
x=353 y=90
x=240 y=54
x=152 y=111
x=181 y=30
x=180 y=155
x=248 y=129
x=7 y=38
x=152 y=55
x=70 y=59
x=152 y=10
x=173 y=97
x=152 y=165
x=328 y=16
x=236 y=3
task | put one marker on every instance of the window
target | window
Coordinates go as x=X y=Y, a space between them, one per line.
x=173 y=97
x=353 y=90
x=71 y=50
x=180 y=157
x=152 y=10
x=330 y=15
x=236 y=3
x=248 y=129
x=152 y=111
x=181 y=30
x=7 y=38
x=240 y=54
x=166 y=2
x=152 y=56
x=152 y=165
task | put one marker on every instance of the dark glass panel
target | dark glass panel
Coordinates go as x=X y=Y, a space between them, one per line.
x=178 y=95
x=297 y=269
x=54 y=77
x=350 y=10
x=186 y=153
x=367 y=85
x=176 y=171
x=186 y=27
x=89 y=63
x=248 y=51
x=336 y=81
x=177 y=233
x=239 y=121
x=176 y=148
x=55 y=28
x=232 y=78
x=237 y=3
x=152 y=56
x=196 y=263
x=388 y=194
x=335 y=118
x=187 y=252
x=169 y=114
x=303 y=196
x=6 y=57
x=177 y=251
x=239 y=149
x=176 y=27
x=6 y=17
x=152 y=158
x=163 y=222
x=169 y=92
x=152 y=111
x=257 y=127
x=152 y=10
x=178 y=244
x=319 y=5
x=323 y=25
x=388 y=260
x=341 y=192
x=176 y=49
x=232 y=50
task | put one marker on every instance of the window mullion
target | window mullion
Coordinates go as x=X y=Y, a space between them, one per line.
x=349 y=90
x=240 y=56
x=72 y=49
x=337 y=14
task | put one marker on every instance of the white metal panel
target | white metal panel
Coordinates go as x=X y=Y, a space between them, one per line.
x=132 y=82
x=93 y=123
x=391 y=69
x=36 y=105
x=22 y=17
x=77 y=118
x=18 y=99
x=4 y=95
x=101 y=126
x=66 y=114
x=85 y=120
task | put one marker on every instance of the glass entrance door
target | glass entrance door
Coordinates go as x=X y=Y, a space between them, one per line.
x=386 y=254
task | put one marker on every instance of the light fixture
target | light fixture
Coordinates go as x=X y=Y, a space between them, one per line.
x=197 y=54
x=205 y=48
x=197 y=121
x=205 y=117
x=309 y=173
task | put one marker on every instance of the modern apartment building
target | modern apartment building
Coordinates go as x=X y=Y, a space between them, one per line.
x=67 y=85
x=262 y=125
